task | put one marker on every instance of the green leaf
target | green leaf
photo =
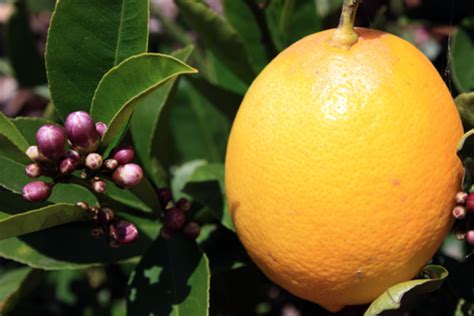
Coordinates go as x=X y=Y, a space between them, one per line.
x=116 y=97
x=9 y=130
x=191 y=129
x=142 y=197
x=22 y=48
x=173 y=278
x=207 y=186
x=219 y=36
x=462 y=48
x=243 y=20
x=465 y=105
x=86 y=38
x=146 y=118
x=28 y=126
x=181 y=175
x=16 y=284
x=403 y=294
x=289 y=22
x=227 y=102
x=74 y=247
x=27 y=222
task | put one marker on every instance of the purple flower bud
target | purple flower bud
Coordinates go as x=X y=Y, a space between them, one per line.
x=98 y=186
x=192 y=230
x=123 y=232
x=470 y=203
x=51 y=141
x=105 y=215
x=128 y=175
x=184 y=204
x=174 y=218
x=165 y=196
x=68 y=166
x=94 y=161
x=36 y=191
x=123 y=154
x=35 y=155
x=81 y=132
x=101 y=128
x=470 y=237
x=111 y=164
x=33 y=170
x=73 y=154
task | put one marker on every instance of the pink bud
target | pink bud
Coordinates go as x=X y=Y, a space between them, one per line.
x=81 y=132
x=68 y=166
x=123 y=154
x=470 y=202
x=51 y=141
x=101 y=128
x=105 y=215
x=461 y=198
x=184 y=204
x=123 y=232
x=459 y=212
x=36 y=191
x=165 y=196
x=93 y=161
x=192 y=230
x=174 y=219
x=470 y=237
x=33 y=170
x=73 y=154
x=110 y=164
x=98 y=186
x=128 y=175
x=34 y=154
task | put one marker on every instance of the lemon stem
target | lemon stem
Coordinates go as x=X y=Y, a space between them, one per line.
x=345 y=36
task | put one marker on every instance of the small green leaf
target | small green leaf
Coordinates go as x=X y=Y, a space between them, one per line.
x=207 y=186
x=11 y=132
x=22 y=48
x=219 y=36
x=34 y=220
x=28 y=126
x=116 y=98
x=146 y=118
x=405 y=293
x=173 y=278
x=86 y=38
x=13 y=175
x=465 y=104
x=16 y=284
x=462 y=48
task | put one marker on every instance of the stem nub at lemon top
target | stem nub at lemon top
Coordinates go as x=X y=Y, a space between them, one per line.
x=345 y=36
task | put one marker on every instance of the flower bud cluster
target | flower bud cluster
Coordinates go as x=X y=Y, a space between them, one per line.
x=174 y=216
x=60 y=151
x=463 y=212
x=106 y=226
